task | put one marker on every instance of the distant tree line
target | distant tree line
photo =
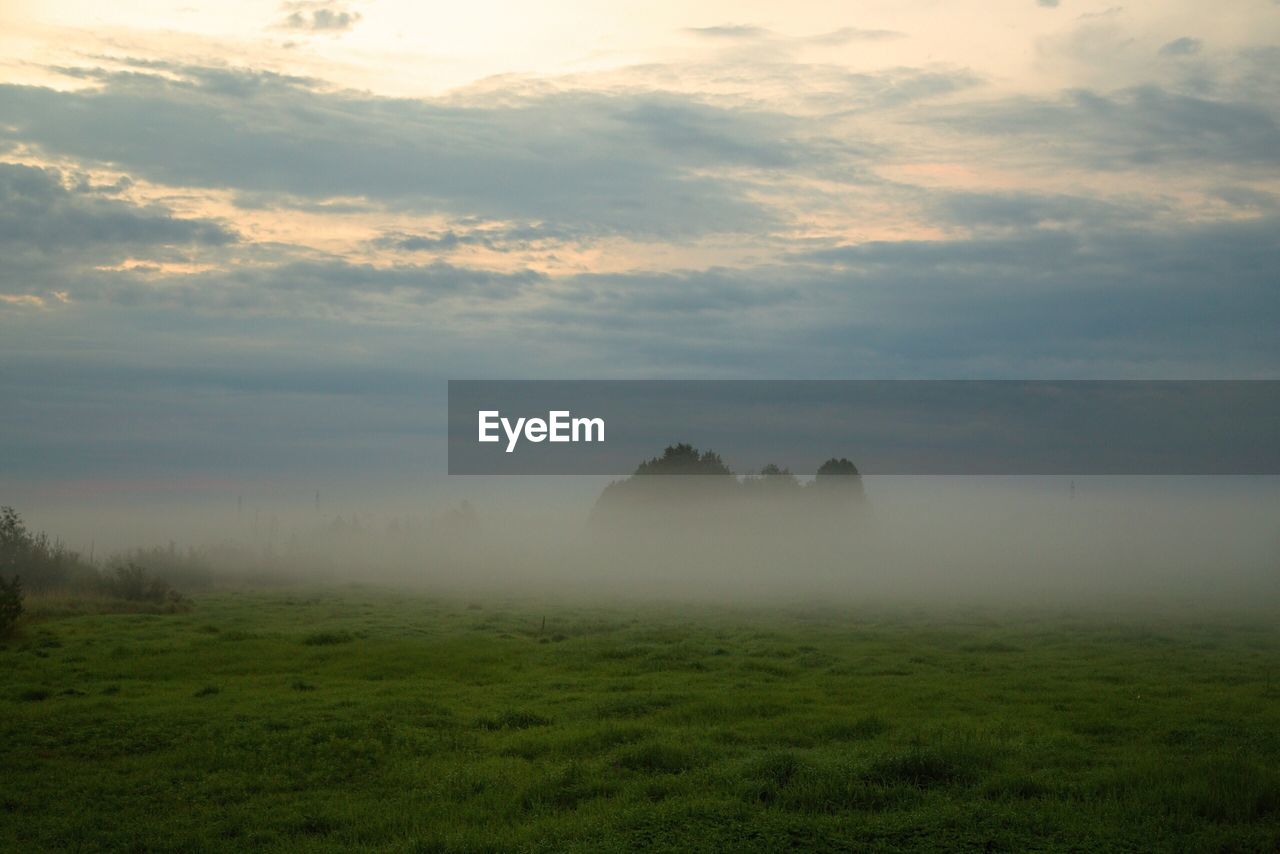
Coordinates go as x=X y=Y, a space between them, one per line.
x=683 y=477
x=685 y=459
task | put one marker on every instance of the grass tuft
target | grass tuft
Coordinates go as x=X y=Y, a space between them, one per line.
x=512 y=719
x=860 y=729
x=928 y=766
x=658 y=757
x=328 y=638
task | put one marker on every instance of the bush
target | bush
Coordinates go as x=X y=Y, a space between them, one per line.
x=10 y=604
x=46 y=567
x=43 y=564
x=188 y=570
x=132 y=582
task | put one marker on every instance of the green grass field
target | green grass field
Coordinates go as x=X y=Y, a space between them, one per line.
x=348 y=719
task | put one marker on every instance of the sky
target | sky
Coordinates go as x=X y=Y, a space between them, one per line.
x=247 y=243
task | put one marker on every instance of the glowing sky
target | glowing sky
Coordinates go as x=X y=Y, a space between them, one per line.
x=242 y=238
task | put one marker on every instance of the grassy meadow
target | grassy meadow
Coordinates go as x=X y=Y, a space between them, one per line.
x=345 y=719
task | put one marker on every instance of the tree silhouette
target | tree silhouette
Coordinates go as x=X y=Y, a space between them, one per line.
x=659 y=500
x=834 y=467
x=839 y=477
x=684 y=458
x=771 y=481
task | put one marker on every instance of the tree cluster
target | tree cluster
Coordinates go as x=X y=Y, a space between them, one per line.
x=691 y=482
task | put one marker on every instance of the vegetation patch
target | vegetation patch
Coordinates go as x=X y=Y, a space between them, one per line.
x=328 y=638
x=512 y=719
x=116 y=740
x=857 y=729
x=928 y=766
x=658 y=757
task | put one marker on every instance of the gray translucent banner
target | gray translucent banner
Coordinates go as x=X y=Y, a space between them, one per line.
x=884 y=426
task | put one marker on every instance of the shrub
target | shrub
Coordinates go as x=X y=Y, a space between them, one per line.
x=129 y=581
x=188 y=570
x=47 y=566
x=43 y=564
x=10 y=604
x=132 y=582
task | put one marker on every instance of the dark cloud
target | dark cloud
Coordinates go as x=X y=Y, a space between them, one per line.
x=499 y=239
x=1029 y=210
x=1133 y=128
x=1048 y=283
x=1110 y=302
x=41 y=210
x=1048 y=4
x=445 y=241
x=1088 y=297
x=1185 y=46
x=302 y=287
x=335 y=283
x=638 y=163
x=304 y=367
x=1249 y=198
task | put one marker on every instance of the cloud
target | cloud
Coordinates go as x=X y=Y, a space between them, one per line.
x=1249 y=198
x=500 y=239
x=641 y=163
x=57 y=228
x=731 y=31
x=299 y=368
x=845 y=35
x=318 y=17
x=40 y=210
x=1141 y=127
x=1185 y=46
x=273 y=288
x=1048 y=4
x=1097 y=296
x=749 y=33
x=446 y=241
x=1031 y=210
x=1111 y=302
